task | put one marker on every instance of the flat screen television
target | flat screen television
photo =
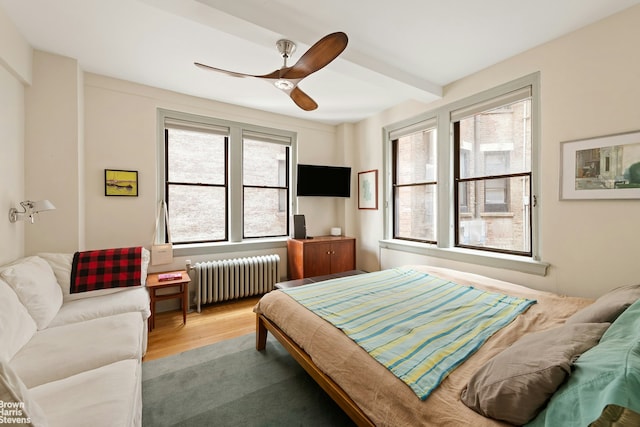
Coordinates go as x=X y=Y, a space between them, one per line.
x=325 y=181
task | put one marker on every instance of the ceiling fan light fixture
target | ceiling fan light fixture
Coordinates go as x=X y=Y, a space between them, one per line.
x=284 y=84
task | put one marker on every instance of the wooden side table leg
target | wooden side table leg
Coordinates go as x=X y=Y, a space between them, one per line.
x=185 y=301
x=152 y=305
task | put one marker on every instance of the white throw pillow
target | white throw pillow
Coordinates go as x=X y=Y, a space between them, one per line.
x=33 y=281
x=61 y=265
x=16 y=325
x=15 y=398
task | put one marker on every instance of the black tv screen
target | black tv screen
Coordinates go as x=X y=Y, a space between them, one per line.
x=327 y=181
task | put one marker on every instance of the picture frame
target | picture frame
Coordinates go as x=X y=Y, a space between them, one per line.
x=604 y=167
x=368 y=189
x=120 y=182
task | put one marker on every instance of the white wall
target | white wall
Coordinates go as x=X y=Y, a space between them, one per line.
x=590 y=86
x=53 y=144
x=15 y=71
x=12 y=167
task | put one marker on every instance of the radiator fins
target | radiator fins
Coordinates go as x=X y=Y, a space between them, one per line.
x=222 y=280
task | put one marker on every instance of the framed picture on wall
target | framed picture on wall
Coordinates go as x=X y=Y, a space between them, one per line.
x=368 y=189
x=120 y=183
x=605 y=167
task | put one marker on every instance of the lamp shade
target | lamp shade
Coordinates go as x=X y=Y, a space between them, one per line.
x=42 y=205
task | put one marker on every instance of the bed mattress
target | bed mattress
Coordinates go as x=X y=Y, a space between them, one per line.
x=385 y=399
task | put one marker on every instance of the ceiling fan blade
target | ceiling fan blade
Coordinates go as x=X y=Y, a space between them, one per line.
x=273 y=75
x=302 y=100
x=319 y=55
x=220 y=70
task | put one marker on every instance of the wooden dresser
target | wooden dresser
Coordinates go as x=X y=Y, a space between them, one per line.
x=320 y=255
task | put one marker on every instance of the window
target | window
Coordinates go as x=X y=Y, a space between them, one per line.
x=224 y=181
x=492 y=171
x=196 y=185
x=461 y=179
x=415 y=186
x=266 y=191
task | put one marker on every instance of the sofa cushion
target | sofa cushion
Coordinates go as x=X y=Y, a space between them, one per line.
x=61 y=264
x=104 y=397
x=15 y=398
x=129 y=300
x=79 y=347
x=33 y=281
x=16 y=325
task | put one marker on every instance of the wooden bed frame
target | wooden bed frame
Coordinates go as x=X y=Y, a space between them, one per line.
x=264 y=325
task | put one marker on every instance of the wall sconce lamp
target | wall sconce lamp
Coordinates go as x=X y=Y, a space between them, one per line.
x=29 y=209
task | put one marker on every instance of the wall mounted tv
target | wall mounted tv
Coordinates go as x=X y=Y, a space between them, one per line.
x=326 y=181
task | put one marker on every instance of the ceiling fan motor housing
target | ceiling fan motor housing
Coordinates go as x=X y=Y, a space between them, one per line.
x=286 y=48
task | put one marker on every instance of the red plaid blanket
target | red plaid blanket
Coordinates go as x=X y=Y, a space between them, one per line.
x=106 y=268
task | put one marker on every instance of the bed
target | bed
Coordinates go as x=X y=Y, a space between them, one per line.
x=372 y=395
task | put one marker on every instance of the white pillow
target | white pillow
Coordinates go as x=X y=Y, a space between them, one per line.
x=61 y=264
x=15 y=397
x=33 y=281
x=16 y=325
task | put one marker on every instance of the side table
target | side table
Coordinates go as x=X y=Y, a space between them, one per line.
x=154 y=284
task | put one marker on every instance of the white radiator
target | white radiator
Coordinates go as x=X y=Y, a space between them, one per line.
x=222 y=280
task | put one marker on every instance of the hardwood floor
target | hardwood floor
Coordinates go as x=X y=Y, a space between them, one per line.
x=214 y=323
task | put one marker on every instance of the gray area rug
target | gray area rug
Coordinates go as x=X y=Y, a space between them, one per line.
x=232 y=384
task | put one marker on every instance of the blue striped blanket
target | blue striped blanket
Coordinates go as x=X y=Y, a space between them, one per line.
x=418 y=326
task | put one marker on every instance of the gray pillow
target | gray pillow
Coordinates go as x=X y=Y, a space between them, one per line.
x=515 y=385
x=608 y=307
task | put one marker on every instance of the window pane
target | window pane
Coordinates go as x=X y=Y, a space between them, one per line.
x=497 y=214
x=264 y=213
x=496 y=142
x=264 y=163
x=416 y=158
x=196 y=157
x=197 y=213
x=415 y=212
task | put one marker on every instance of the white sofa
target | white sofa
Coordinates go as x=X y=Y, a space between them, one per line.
x=69 y=359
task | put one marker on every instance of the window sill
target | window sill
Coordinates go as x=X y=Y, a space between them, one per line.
x=468 y=216
x=223 y=247
x=489 y=259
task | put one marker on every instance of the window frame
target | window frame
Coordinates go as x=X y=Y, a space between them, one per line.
x=224 y=185
x=427 y=125
x=446 y=239
x=287 y=179
x=235 y=188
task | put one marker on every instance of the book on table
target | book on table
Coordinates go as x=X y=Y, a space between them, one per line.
x=163 y=277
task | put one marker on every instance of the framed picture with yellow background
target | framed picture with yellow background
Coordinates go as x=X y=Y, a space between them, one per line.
x=120 y=183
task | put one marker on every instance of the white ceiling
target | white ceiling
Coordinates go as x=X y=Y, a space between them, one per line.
x=400 y=50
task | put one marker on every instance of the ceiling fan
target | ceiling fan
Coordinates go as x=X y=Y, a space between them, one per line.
x=287 y=78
